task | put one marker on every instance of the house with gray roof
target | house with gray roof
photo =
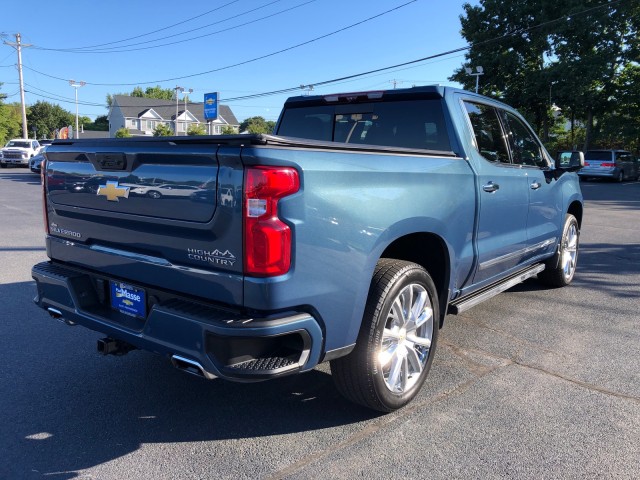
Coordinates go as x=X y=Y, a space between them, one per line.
x=142 y=115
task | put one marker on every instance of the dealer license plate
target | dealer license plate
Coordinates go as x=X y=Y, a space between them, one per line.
x=128 y=299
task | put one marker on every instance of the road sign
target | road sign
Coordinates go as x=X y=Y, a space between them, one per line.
x=211 y=106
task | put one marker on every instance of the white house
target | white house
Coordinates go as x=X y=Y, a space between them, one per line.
x=142 y=115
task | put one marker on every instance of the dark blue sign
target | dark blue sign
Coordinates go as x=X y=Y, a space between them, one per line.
x=211 y=106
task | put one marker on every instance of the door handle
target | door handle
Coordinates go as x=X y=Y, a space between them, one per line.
x=536 y=185
x=490 y=187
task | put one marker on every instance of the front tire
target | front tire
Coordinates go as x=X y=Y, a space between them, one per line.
x=561 y=269
x=397 y=339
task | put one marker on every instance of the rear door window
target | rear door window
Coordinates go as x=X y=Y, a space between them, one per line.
x=525 y=149
x=487 y=132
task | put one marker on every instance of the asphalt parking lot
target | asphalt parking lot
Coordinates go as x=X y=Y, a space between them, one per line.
x=535 y=383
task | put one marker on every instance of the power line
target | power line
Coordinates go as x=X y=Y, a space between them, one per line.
x=125 y=48
x=113 y=50
x=243 y=62
x=362 y=74
x=67 y=99
x=148 y=33
x=61 y=99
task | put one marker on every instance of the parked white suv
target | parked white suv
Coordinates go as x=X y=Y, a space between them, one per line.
x=17 y=152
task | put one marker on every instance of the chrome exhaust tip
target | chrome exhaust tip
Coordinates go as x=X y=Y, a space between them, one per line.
x=57 y=314
x=191 y=366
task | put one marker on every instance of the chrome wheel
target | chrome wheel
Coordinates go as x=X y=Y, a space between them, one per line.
x=570 y=251
x=561 y=268
x=397 y=340
x=406 y=338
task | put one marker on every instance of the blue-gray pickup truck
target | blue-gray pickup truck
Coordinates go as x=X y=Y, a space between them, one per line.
x=346 y=236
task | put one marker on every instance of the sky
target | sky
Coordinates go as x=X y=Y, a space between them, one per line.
x=238 y=48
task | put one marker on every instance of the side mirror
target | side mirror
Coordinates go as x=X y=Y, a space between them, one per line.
x=570 y=161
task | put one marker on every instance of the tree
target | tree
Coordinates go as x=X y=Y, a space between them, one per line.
x=45 y=118
x=228 y=130
x=122 y=133
x=257 y=125
x=10 y=122
x=154 y=92
x=196 y=129
x=545 y=52
x=150 y=92
x=110 y=97
x=100 y=124
x=162 y=130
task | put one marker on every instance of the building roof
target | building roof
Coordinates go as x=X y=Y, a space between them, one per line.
x=94 y=134
x=134 y=107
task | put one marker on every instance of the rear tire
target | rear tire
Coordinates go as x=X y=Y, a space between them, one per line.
x=397 y=339
x=561 y=269
x=620 y=176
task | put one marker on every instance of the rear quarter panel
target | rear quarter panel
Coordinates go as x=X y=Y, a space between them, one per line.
x=350 y=207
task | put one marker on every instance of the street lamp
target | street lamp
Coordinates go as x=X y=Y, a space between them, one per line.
x=77 y=85
x=479 y=71
x=175 y=127
x=185 y=106
x=181 y=89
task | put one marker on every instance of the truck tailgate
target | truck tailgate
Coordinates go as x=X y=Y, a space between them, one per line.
x=157 y=212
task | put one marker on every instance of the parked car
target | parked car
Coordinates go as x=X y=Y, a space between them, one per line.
x=616 y=165
x=36 y=162
x=17 y=152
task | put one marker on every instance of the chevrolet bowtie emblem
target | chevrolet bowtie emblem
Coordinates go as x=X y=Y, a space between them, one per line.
x=113 y=191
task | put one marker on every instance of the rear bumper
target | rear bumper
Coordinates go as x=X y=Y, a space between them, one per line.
x=15 y=162
x=599 y=173
x=224 y=343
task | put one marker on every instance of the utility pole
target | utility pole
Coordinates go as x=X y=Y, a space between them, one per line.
x=77 y=85
x=18 y=46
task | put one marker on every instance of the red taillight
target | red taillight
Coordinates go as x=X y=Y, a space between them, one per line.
x=586 y=164
x=267 y=239
x=611 y=165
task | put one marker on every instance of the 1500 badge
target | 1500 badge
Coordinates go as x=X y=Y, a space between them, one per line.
x=215 y=257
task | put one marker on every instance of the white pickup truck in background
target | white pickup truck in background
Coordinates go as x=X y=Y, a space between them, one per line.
x=18 y=152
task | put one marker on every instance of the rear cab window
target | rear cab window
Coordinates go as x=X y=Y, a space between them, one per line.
x=415 y=124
